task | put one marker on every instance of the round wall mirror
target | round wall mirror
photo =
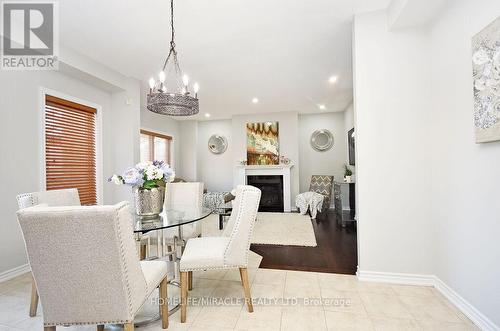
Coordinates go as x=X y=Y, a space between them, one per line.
x=217 y=144
x=322 y=140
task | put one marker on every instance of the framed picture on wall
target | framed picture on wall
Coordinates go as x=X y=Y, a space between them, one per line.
x=351 y=146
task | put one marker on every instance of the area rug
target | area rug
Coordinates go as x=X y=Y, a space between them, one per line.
x=290 y=229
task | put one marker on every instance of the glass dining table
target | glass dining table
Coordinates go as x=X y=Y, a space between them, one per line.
x=167 y=219
x=148 y=227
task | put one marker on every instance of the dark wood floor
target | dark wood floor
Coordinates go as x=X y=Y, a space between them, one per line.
x=336 y=251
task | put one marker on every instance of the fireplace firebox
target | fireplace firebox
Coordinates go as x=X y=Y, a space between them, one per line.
x=271 y=187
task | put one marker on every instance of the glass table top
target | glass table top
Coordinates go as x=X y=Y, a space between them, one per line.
x=170 y=218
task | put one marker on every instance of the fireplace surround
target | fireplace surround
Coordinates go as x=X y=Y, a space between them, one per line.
x=283 y=170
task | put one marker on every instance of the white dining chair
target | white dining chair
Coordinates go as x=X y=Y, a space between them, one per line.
x=228 y=251
x=182 y=196
x=65 y=197
x=85 y=265
x=185 y=194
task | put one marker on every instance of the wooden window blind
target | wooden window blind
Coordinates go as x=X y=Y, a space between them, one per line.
x=155 y=146
x=70 y=147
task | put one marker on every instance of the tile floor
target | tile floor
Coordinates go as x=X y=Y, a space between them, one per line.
x=346 y=304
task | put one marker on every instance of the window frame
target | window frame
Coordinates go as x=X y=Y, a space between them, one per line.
x=163 y=135
x=98 y=138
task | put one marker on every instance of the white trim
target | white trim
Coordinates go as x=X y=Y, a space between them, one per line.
x=98 y=138
x=172 y=144
x=14 y=272
x=396 y=278
x=480 y=320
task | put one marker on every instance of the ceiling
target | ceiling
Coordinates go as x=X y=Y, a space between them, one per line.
x=280 y=51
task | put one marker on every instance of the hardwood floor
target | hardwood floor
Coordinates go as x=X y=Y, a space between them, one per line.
x=336 y=251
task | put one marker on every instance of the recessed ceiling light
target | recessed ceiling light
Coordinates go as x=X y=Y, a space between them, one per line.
x=322 y=107
x=332 y=79
x=255 y=100
x=207 y=115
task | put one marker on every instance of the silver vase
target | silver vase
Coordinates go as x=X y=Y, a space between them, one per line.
x=149 y=202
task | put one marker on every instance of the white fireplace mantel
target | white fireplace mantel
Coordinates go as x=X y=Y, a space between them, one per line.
x=268 y=170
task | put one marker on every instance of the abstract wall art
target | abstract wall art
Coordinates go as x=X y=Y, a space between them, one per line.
x=486 y=80
x=263 y=143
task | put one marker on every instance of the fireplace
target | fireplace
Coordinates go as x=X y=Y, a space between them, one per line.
x=272 y=191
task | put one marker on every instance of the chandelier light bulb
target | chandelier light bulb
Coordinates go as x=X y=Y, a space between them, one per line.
x=196 y=87
x=183 y=91
x=161 y=75
x=152 y=83
x=185 y=80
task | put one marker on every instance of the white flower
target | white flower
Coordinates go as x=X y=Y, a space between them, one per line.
x=171 y=178
x=116 y=180
x=153 y=172
x=480 y=57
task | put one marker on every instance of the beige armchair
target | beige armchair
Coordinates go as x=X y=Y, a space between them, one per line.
x=86 y=268
x=229 y=251
x=66 y=197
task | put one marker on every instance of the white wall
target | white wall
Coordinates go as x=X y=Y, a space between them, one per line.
x=215 y=170
x=329 y=162
x=393 y=166
x=424 y=186
x=188 y=139
x=21 y=146
x=465 y=187
x=288 y=138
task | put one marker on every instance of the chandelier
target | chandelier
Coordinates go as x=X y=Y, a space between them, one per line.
x=175 y=102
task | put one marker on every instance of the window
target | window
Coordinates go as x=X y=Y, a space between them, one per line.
x=70 y=147
x=155 y=146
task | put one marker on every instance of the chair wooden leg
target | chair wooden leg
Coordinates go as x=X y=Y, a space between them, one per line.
x=164 y=303
x=34 y=299
x=128 y=327
x=100 y=328
x=184 y=294
x=246 y=288
x=190 y=280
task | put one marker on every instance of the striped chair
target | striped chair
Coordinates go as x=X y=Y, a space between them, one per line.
x=322 y=185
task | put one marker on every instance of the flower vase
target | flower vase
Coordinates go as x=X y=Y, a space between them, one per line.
x=149 y=202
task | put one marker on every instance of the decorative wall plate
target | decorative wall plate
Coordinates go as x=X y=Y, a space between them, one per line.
x=217 y=144
x=322 y=140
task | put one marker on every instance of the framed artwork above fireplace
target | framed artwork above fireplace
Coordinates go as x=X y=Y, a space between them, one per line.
x=263 y=143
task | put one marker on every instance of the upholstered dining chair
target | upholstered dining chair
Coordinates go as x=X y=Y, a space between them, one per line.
x=87 y=271
x=181 y=195
x=65 y=197
x=230 y=251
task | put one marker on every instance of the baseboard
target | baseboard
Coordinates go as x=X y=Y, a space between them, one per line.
x=14 y=272
x=396 y=278
x=480 y=320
